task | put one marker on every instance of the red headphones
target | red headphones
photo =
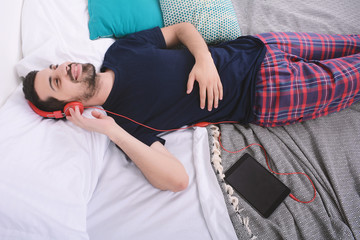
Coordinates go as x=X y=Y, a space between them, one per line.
x=58 y=114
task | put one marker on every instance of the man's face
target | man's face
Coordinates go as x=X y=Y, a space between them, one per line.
x=66 y=82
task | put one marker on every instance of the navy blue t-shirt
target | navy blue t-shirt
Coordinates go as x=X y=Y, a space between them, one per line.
x=150 y=83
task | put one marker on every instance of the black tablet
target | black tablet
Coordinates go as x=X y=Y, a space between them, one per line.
x=260 y=188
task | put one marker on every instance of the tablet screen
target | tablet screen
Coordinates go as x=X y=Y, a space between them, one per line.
x=256 y=185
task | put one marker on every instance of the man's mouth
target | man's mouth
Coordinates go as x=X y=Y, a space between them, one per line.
x=76 y=70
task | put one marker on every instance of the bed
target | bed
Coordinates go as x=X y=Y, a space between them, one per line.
x=60 y=182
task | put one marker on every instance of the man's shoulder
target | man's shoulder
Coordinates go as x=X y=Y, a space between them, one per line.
x=147 y=38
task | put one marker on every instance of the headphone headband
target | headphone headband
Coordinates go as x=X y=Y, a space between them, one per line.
x=57 y=114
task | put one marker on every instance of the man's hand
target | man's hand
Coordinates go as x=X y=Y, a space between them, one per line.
x=160 y=167
x=101 y=124
x=210 y=87
x=204 y=70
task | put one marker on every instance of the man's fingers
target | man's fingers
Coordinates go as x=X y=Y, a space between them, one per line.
x=211 y=95
x=96 y=114
x=210 y=98
x=221 y=90
x=75 y=116
x=190 y=83
x=216 y=98
x=202 y=97
x=72 y=112
x=218 y=94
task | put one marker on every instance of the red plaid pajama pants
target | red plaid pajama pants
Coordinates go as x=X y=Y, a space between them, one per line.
x=305 y=76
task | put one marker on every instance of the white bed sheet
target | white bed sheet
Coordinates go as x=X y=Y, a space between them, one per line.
x=48 y=172
x=49 y=169
x=126 y=206
x=10 y=47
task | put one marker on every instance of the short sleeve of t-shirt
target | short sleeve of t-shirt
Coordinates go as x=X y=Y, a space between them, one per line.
x=151 y=36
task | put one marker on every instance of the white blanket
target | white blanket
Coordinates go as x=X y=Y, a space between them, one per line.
x=126 y=206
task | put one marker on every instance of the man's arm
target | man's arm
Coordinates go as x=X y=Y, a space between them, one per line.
x=158 y=165
x=204 y=70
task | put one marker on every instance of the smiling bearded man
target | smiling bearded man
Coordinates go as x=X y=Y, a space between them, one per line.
x=83 y=74
x=270 y=79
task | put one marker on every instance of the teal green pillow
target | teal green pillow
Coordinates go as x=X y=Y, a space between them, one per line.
x=117 y=18
x=214 y=19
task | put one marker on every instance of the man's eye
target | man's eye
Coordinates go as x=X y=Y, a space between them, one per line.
x=52 y=66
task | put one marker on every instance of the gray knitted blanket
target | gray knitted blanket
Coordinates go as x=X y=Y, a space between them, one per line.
x=327 y=149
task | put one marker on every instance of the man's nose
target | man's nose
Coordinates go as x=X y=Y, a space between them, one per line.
x=63 y=69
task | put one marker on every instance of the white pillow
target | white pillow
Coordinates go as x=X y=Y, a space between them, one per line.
x=57 y=31
x=10 y=47
x=48 y=168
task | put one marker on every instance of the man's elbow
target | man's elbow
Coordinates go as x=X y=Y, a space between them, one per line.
x=180 y=184
x=175 y=184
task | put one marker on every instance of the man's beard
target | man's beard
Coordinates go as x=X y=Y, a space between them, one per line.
x=88 y=80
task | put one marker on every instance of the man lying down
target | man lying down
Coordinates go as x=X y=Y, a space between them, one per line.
x=270 y=79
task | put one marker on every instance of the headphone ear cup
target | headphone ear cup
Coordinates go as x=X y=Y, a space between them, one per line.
x=72 y=105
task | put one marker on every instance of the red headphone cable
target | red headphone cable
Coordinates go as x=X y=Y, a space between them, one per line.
x=268 y=165
x=204 y=124
x=201 y=124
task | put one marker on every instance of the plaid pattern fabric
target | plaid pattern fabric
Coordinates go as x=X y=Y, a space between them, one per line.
x=305 y=76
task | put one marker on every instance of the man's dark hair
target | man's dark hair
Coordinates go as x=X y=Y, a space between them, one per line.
x=49 y=105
